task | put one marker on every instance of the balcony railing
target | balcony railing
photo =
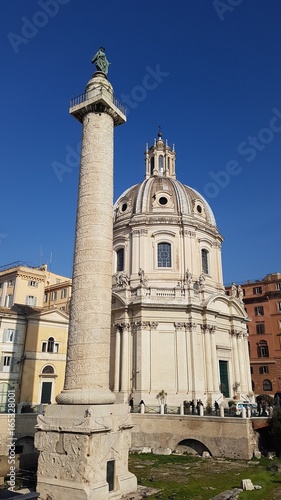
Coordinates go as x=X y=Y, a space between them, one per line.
x=84 y=97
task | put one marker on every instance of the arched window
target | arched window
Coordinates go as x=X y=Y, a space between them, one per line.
x=161 y=164
x=263 y=349
x=205 y=259
x=50 y=345
x=47 y=370
x=164 y=255
x=151 y=165
x=267 y=385
x=120 y=260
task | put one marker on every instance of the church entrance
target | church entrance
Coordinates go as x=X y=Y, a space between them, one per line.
x=224 y=386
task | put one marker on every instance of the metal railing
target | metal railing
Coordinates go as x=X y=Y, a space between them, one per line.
x=86 y=95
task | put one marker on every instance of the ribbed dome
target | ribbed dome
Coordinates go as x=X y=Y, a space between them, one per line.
x=163 y=195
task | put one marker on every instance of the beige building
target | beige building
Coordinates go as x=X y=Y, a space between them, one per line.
x=20 y=284
x=30 y=336
x=58 y=295
x=43 y=365
x=33 y=344
x=174 y=327
x=13 y=327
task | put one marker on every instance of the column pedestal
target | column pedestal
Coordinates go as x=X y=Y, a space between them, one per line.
x=84 y=452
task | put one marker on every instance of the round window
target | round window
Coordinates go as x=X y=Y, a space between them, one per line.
x=124 y=207
x=199 y=209
x=163 y=200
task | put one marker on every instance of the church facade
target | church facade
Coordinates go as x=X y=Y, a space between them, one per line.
x=174 y=329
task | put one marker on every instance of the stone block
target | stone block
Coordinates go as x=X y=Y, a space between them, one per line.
x=247 y=485
x=162 y=451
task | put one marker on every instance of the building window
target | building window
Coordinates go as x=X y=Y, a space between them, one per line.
x=10 y=283
x=7 y=363
x=33 y=283
x=63 y=293
x=9 y=300
x=263 y=349
x=164 y=254
x=30 y=300
x=249 y=349
x=120 y=260
x=161 y=164
x=50 y=345
x=260 y=328
x=252 y=370
x=257 y=290
x=263 y=369
x=279 y=307
x=267 y=385
x=54 y=295
x=48 y=370
x=205 y=258
x=151 y=165
x=253 y=386
x=259 y=311
x=45 y=297
x=278 y=286
x=9 y=335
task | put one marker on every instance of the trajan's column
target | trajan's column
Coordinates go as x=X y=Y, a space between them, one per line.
x=84 y=440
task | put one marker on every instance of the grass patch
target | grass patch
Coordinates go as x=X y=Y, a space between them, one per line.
x=193 y=478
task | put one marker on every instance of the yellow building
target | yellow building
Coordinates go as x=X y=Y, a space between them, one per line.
x=20 y=284
x=58 y=295
x=43 y=366
x=33 y=333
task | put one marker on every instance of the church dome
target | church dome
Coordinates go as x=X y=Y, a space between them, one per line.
x=161 y=193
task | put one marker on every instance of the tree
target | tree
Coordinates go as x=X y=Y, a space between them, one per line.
x=161 y=396
x=275 y=429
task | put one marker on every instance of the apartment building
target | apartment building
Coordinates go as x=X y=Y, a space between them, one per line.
x=262 y=299
x=33 y=333
x=21 y=284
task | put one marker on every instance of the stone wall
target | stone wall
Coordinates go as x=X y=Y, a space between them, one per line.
x=222 y=437
x=24 y=426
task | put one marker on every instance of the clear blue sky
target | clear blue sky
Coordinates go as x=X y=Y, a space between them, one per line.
x=217 y=82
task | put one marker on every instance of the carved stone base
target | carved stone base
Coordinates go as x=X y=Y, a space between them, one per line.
x=84 y=452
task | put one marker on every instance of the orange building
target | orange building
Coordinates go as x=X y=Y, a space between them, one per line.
x=262 y=299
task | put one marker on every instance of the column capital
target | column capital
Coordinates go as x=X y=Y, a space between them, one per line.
x=208 y=328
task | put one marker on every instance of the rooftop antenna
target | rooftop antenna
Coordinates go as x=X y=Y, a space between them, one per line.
x=50 y=261
x=41 y=255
